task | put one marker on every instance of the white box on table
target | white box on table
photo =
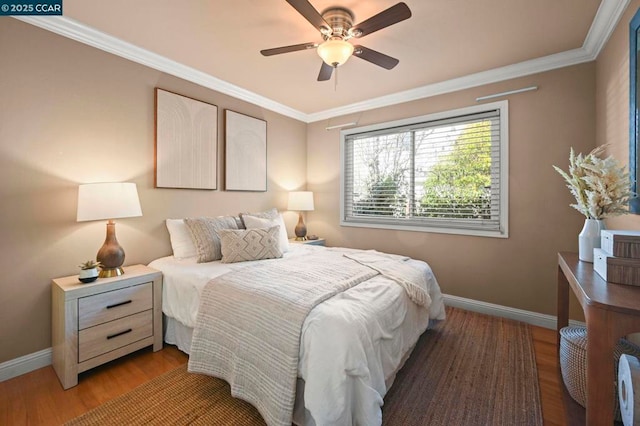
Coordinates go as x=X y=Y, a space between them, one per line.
x=619 y=270
x=620 y=243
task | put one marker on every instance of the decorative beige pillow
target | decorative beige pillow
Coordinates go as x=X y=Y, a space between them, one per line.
x=249 y=244
x=253 y=222
x=268 y=214
x=204 y=236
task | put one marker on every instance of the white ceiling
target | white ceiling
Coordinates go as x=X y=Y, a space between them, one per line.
x=446 y=45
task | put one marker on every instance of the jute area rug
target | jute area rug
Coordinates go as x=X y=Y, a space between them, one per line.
x=470 y=370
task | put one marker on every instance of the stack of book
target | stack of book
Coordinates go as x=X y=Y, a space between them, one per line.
x=618 y=259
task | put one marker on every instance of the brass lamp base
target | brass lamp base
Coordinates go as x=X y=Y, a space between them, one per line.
x=111 y=272
x=301 y=239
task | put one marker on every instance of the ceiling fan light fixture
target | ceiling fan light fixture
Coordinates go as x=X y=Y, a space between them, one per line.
x=335 y=52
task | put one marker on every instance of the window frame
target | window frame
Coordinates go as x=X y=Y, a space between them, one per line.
x=384 y=223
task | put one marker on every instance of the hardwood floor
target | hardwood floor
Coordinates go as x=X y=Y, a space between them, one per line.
x=549 y=378
x=37 y=398
x=558 y=408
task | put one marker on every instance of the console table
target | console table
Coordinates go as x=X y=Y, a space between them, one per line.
x=611 y=311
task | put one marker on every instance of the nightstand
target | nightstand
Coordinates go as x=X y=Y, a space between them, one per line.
x=318 y=242
x=98 y=322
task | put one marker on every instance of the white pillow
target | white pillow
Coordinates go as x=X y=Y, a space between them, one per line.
x=181 y=242
x=252 y=222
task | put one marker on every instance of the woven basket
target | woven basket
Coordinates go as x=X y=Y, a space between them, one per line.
x=573 y=363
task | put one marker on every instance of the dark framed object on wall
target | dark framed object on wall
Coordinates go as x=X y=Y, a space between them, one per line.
x=245 y=152
x=186 y=153
x=634 y=151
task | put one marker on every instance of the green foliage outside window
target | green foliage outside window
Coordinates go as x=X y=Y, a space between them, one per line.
x=457 y=186
x=460 y=185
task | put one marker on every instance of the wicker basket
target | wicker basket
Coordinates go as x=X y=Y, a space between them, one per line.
x=573 y=363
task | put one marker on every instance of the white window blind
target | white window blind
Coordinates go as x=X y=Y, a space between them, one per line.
x=442 y=173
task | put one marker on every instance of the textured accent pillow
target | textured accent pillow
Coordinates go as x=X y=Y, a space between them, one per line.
x=181 y=242
x=249 y=244
x=253 y=222
x=239 y=222
x=204 y=236
x=268 y=214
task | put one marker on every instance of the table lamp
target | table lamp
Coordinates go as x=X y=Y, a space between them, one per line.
x=301 y=201
x=99 y=201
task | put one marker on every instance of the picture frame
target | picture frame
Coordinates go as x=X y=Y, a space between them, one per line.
x=186 y=142
x=634 y=116
x=245 y=152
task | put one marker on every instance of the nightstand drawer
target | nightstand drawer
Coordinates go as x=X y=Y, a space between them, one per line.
x=112 y=335
x=104 y=307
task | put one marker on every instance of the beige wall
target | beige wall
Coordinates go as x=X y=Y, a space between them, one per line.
x=612 y=101
x=72 y=114
x=520 y=271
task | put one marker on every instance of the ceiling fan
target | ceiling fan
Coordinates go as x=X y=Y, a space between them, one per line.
x=336 y=28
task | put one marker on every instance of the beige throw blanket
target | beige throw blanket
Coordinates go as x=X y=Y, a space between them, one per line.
x=249 y=325
x=396 y=269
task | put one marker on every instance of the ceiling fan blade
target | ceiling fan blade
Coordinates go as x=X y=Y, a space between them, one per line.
x=390 y=16
x=375 y=57
x=325 y=72
x=310 y=13
x=287 y=49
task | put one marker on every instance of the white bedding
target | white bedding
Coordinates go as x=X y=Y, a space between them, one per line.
x=365 y=332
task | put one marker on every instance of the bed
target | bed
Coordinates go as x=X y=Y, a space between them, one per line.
x=350 y=347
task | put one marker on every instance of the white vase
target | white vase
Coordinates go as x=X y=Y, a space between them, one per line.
x=589 y=238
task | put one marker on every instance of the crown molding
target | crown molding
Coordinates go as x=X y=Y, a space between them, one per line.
x=604 y=23
x=77 y=31
x=533 y=66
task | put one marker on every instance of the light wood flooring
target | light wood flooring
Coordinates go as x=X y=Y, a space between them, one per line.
x=37 y=398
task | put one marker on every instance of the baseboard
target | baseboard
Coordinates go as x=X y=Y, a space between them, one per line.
x=533 y=318
x=25 y=364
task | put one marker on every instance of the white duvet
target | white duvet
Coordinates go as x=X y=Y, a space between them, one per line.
x=351 y=346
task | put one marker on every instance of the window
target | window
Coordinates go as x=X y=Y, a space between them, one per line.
x=445 y=172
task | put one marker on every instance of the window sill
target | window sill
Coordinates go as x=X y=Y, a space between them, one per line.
x=432 y=229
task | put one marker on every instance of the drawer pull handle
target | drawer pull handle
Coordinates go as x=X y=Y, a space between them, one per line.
x=119 y=334
x=115 y=305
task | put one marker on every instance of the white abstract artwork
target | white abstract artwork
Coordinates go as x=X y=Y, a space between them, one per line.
x=186 y=142
x=245 y=152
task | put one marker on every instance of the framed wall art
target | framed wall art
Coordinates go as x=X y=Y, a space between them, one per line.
x=634 y=117
x=186 y=142
x=245 y=152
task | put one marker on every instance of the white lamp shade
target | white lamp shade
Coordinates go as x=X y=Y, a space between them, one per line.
x=97 y=201
x=335 y=52
x=301 y=201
